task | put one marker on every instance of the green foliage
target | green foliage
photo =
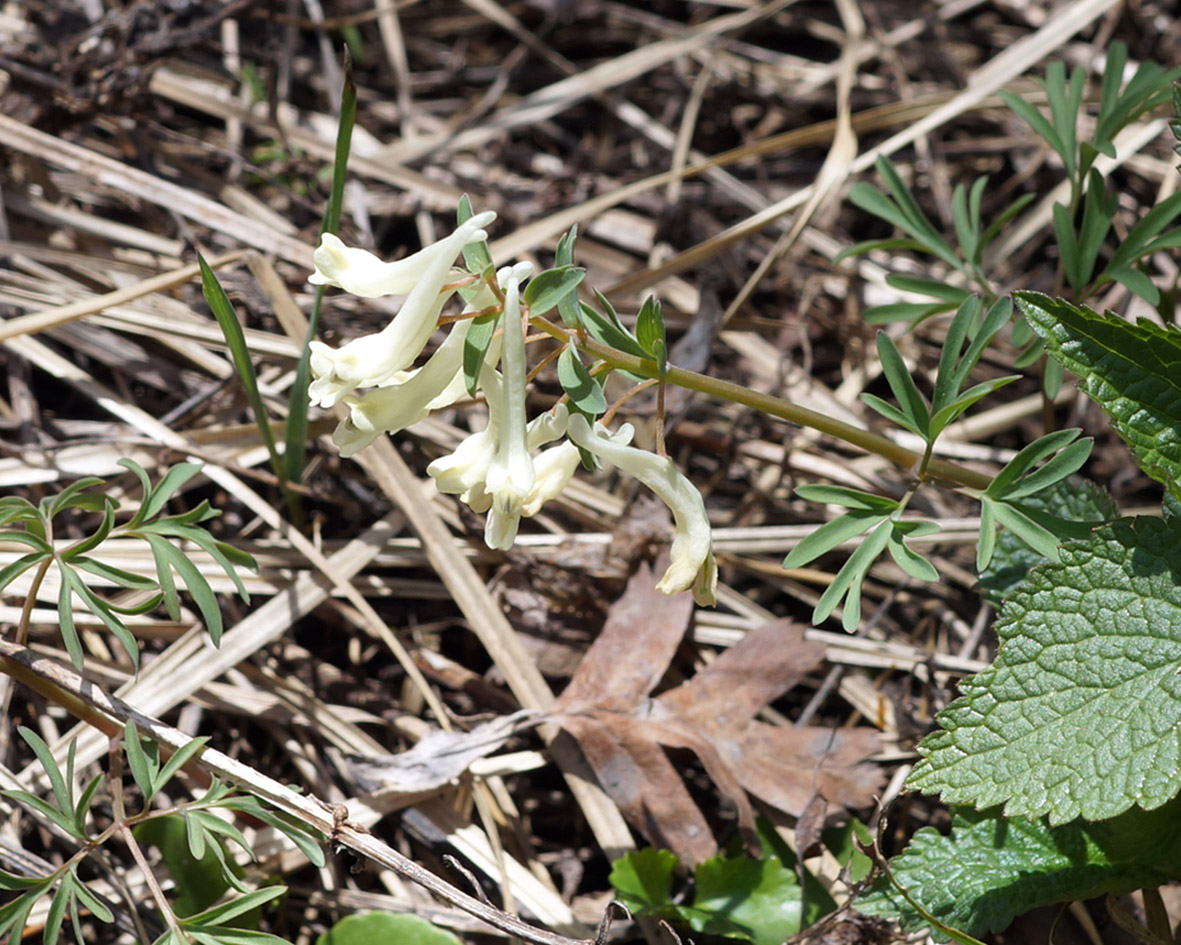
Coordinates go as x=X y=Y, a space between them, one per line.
x=1130 y=370
x=219 y=303
x=1038 y=466
x=296 y=437
x=479 y=337
x=735 y=896
x=949 y=401
x=1077 y=716
x=1081 y=237
x=1072 y=500
x=200 y=878
x=386 y=927
x=32 y=526
x=990 y=869
x=193 y=841
x=899 y=207
x=867 y=513
x=548 y=288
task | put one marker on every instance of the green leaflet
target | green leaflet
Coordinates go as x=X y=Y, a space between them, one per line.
x=1078 y=715
x=1132 y=371
x=1073 y=500
x=989 y=870
x=364 y=929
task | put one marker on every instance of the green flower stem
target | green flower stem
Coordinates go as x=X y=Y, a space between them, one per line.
x=772 y=406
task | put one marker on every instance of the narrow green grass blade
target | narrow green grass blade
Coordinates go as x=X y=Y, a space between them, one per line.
x=295 y=439
x=235 y=338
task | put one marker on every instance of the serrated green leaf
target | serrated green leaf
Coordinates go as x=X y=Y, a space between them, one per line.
x=545 y=290
x=585 y=393
x=990 y=870
x=374 y=927
x=1088 y=658
x=1132 y=371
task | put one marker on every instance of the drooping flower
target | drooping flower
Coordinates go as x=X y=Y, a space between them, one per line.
x=510 y=475
x=372 y=360
x=692 y=561
x=396 y=406
x=411 y=396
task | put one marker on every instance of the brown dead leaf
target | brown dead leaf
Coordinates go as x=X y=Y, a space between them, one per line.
x=785 y=767
x=623 y=733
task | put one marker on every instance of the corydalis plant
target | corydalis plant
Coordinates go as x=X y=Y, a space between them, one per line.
x=497 y=469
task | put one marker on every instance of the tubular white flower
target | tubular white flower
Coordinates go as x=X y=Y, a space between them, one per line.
x=555 y=468
x=693 y=565
x=372 y=360
x=396 y=406
x=510 y=475
x=359 y=272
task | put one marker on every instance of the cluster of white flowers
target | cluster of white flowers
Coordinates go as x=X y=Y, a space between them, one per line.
x=494 y=470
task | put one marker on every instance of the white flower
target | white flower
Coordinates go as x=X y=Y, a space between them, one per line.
x=372 y=360
x=359 y=272
x=693 y=565
x=396 y=406
x=555 y=468
x=510 y=475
